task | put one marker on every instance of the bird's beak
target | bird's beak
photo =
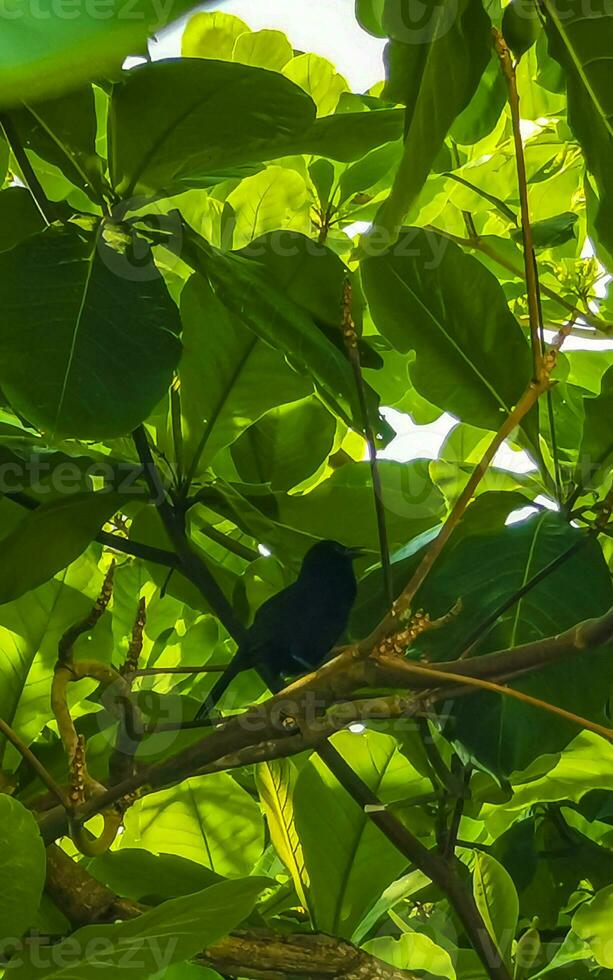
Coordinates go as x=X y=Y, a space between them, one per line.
x=357 y=552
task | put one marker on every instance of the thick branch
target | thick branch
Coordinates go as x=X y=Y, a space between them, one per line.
x=262 y=954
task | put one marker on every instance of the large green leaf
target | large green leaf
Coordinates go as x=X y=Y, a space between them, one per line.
x=22 y=870
x=212 y=821
x=229 y=376
x=45 y=50
x=89 y=341
x=256 y=287
x=593 y=923
x=171 y=933
x=434 y=68
x=427 y=295
x=186 y=118
x=286 y=446
x=150 y=878
x=50 y=538
x=583 y=45
x=485 y=570
x=62 y=131
x=19 y=217
x=343 y=506
x=348 y=860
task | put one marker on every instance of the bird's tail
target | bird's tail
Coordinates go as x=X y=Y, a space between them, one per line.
x=236 y=665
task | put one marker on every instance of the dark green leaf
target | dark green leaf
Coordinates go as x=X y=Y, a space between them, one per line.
x=434 y=68
x=173 y=932
x=19 y=217
x=101 y=331
x=49 y=538
x=229 y=376
x=180 y=119
x=486 y=570
x=62 y=131
x=521 y=26
x=551 y=231
x=427 y=295
x=267 y=288
x=597 y=443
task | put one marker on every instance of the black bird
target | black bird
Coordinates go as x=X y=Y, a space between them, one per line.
x=294 y=630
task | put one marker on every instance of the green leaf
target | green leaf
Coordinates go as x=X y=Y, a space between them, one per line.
x=212 y=35
x=273 y=199
x=19 y=217
x=286 y=446
x=427 y=295
x=372 y=168
x=255 y=287
x=413 y=951
x=114 y=334
x=50 y=538
x=434 y=68
x=264 y=49
x=597 y=442
x=551 y=231
x=44 y=53
x=348 y=861
x=22 y=869
x=211 y=821
x=593 y=923
x=583 y=45
x=275 y=782
x=483 y=111
x=150 y=878
x=344 y=503
x=229 y=376
x=62 y=131
x=183 y=119
x=172 y=932
x=318 y=77
x=497 y=900
x=491 y=568
x=345 y=136
x=30 y=630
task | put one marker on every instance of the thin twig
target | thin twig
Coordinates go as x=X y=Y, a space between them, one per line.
x=485 y=685
x=403 y=603
x=600 y=327
x=44 y=776
x=351 y=346
x=158 y=671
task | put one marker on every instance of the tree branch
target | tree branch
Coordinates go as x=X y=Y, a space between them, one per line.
x=191 y=564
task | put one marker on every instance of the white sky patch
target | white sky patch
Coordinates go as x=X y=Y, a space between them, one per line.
x=264 y=551
x=327 y=27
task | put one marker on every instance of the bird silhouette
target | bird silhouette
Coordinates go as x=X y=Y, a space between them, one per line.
x=294 y=630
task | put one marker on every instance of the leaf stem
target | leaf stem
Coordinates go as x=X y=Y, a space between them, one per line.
x=530 y=268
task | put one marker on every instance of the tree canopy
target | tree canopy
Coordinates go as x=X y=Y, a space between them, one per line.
x=227 y=282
